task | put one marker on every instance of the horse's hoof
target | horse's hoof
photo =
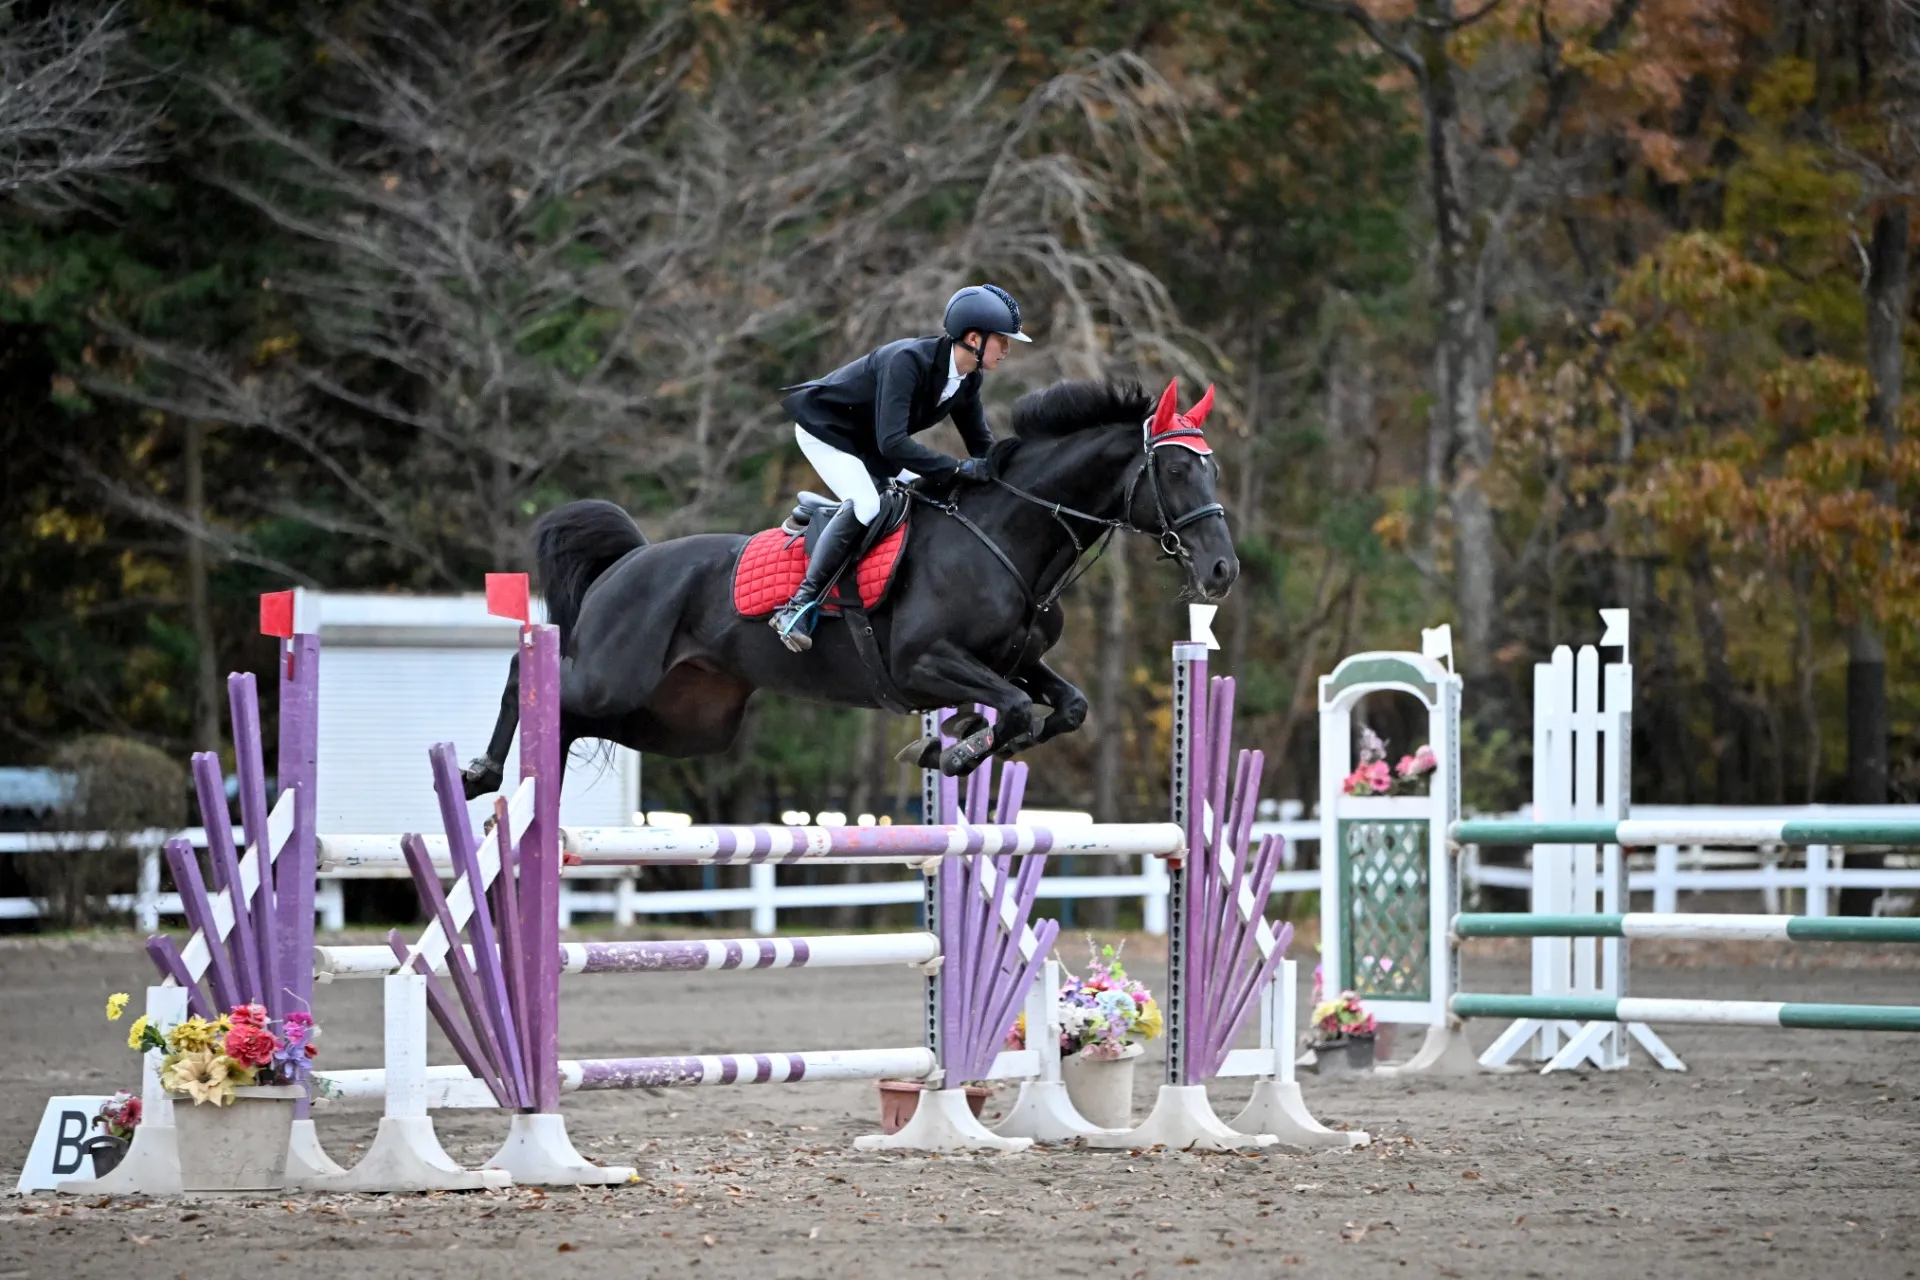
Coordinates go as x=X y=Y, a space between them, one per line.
x=964 y=757
x=480 y=777
x=922 y=753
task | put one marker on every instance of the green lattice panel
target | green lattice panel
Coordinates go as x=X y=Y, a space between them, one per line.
x=1385 y=901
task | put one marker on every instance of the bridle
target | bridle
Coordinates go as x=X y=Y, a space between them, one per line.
x=1172 y=547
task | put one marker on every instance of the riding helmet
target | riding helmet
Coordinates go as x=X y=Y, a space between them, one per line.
x=986 y=308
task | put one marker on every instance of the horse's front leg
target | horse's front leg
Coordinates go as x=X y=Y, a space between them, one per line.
x=1068 y=704
x=948 y=673
x=484 y=774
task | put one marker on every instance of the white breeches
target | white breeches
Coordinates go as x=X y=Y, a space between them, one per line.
x=843 y=473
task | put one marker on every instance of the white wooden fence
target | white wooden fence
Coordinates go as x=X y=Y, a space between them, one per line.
x=1786 y=880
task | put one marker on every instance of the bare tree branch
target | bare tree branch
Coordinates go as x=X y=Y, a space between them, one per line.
x=149 y=506
x=1392 y=42
x=531 y=268
x=68 y=111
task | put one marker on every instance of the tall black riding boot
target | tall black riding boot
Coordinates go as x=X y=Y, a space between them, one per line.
x=838 y=541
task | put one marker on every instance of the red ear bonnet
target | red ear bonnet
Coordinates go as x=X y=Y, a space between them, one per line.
x=1167 y=410
x=1170 y=427
x=1197 y=416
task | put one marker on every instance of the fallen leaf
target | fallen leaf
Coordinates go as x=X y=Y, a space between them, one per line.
x=564 y=1248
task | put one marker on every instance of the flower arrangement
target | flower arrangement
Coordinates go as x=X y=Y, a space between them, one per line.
x=1372 y=776
x=1343 y=1018
x=119 y=1116
x=1101 y=1014
x=207 y=1060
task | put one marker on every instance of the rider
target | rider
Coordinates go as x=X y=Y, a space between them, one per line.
x=858 y=423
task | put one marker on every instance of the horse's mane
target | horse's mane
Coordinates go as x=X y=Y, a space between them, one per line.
x=1080 y=405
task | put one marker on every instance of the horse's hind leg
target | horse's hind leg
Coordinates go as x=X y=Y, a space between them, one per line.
x=485 y=774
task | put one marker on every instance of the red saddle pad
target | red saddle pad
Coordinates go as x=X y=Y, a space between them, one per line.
x=772 y=563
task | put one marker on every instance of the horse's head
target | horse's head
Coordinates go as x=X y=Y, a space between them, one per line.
x=1178 y=495
x=1106 y=450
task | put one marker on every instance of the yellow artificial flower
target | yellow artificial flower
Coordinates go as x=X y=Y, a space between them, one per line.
x=138 y=1030
x=117 y=1005
x=201 y=1074
x=195 y=1034
x=1149 y=1024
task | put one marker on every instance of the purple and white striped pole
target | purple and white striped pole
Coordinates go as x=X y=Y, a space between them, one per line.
x=723 y=846
x=853 y=950
x=453 y=1086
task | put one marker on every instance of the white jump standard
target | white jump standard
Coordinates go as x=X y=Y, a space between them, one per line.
x=1392 y=867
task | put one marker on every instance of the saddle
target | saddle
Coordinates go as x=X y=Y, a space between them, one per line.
x=774 y=561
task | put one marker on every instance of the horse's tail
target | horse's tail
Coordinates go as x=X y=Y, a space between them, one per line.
x=572 y=546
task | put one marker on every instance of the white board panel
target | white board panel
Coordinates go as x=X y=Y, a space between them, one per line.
x=382 y=708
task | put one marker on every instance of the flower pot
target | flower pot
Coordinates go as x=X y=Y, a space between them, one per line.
x=1345 y=1056
x=239 y=1147
x=899 y=1099
x=106 y=1152
x=1101 y=1089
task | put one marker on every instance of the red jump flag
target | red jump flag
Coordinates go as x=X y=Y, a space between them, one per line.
x=507 y=595
x=276 y=614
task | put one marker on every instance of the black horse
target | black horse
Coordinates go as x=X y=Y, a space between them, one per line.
x=657 y=658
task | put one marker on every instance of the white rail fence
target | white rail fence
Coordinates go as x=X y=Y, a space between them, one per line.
x=1776 y=874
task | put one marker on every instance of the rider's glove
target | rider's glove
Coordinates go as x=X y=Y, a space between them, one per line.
x=975 y=470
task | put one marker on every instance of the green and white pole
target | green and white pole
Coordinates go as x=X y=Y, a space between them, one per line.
x=1715 y=1013
x=1704 y=927
x=1641 y=833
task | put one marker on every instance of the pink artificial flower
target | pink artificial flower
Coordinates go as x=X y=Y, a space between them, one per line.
x=249 y=1015
x=1379 y=777
x=250 y=1046
x=1419 y=764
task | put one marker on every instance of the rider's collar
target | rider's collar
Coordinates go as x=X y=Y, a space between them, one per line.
x=1169 y=426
